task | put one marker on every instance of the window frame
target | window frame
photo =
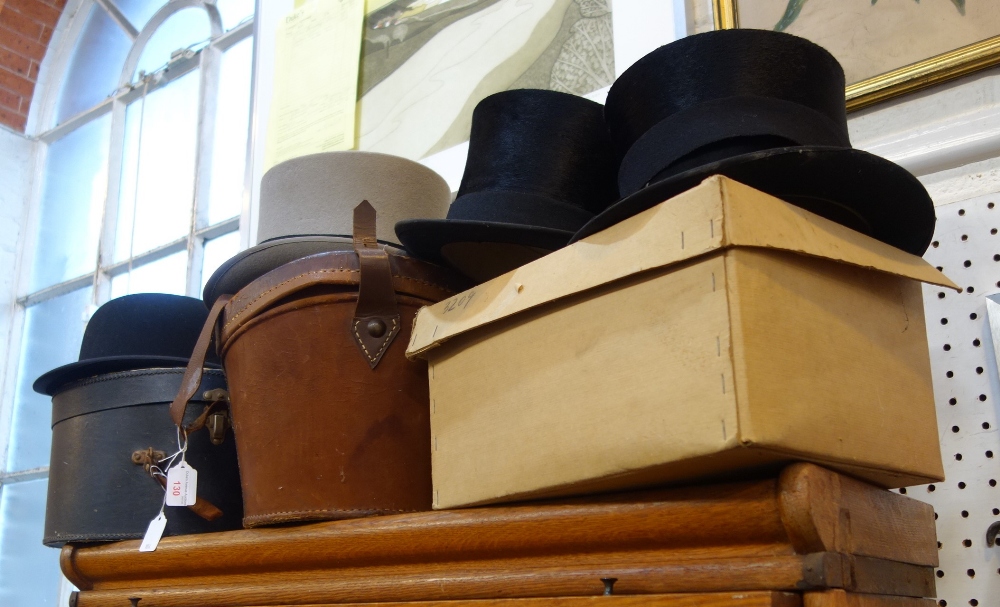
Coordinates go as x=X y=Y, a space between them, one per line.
x=42 y=121
x=52 y=75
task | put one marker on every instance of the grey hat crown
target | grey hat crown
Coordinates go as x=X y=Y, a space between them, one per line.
x=316 y=194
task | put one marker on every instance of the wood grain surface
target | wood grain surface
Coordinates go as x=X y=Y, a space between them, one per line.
x=785 y=534
x=824 y=511
x=725 y=599
x=494 y=580
x=808 y=509
x=840 y=598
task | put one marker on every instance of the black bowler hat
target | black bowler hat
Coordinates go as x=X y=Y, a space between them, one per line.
x=766 y=109
x=540 y=166
x=141 y=331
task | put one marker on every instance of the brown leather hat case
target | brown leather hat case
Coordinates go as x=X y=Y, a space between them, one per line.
x=331 y=420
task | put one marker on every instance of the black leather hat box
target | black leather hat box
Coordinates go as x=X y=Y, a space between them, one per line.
x=111 y=420
x=720 y=332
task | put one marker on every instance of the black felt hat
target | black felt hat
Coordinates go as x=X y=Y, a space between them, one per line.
x=764 y=108
x=540 y=166
x=142 y=331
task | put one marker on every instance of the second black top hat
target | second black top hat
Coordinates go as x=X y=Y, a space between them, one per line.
x=539 y=167
x=764 y=108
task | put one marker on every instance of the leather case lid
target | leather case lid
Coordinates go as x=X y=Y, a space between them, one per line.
x=410 y=276
x=125 y=389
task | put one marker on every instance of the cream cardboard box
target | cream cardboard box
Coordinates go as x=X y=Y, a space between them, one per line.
x=720 y=331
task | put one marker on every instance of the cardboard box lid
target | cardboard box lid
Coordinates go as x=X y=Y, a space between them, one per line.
x=717 y=214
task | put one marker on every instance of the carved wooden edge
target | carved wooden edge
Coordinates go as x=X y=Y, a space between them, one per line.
x=823 y=511
x=879 y=576
x=840 y=598
x=473 y=581
x=741 y=516
x=809 y=502
x=806 y=510
x=712 y=599
x=824 y=570
x=67 y=562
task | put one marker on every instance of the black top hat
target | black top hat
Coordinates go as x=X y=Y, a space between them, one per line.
x=539 y=166
x=141 y=331
x=764 y=108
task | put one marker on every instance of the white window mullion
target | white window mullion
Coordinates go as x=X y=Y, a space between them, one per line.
x=246 y=238
x=117 y=16
x=136 y=262
x=68 y=286
x=52 y=71
x=207 y=104
x=27 y=248
x=109 y=226
x=210 y=58
x=8 y=389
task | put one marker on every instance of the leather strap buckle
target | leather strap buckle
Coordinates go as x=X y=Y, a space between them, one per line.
x=195 y=368
x=376 y=317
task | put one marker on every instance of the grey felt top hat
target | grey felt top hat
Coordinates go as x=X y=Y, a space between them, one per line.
x=307 y=204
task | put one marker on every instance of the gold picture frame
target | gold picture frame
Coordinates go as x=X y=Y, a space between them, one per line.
x=906 y=79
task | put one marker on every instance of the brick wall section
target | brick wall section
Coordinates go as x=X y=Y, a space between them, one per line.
x=25 y=30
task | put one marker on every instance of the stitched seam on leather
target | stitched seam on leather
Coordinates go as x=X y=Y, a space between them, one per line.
x=284 y=282
x=83 y=536
x=278 y=286
x=385 y=342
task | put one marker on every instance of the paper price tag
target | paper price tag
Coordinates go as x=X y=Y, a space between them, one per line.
x=153 y=533
x=182 y=485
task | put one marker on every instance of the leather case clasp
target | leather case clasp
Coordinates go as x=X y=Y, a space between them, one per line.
x=376 y=317
x=195 y=368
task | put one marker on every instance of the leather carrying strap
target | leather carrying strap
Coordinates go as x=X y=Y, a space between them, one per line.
x=192 y=375
x=337 y=268
x=376 y=317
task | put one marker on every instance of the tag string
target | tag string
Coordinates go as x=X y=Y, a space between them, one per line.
x=182 y=446
x=182 y=449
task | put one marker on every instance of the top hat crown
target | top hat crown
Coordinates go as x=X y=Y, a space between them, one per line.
x=307 y=205
x=540 y=165
x=711 y=96
x=548 y=146
x=315 y=195
x=764 y=108
x=140 y=331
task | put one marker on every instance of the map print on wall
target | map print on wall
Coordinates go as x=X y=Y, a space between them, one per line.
x=871 y=37
x=427 y=63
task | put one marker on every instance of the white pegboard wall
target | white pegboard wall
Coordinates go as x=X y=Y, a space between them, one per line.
x=967 y=394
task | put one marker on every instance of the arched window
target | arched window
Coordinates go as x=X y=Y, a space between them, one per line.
x=140 y=186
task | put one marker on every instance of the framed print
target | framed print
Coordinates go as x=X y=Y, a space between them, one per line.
x=887 y=47
x=425 y=64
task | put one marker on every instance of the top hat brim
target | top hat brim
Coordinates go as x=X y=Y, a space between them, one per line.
x=249 y=265
x=842 y=184
x=426 y=238
x=53 y=381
